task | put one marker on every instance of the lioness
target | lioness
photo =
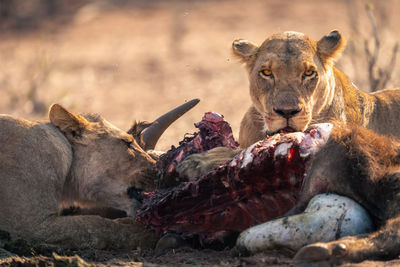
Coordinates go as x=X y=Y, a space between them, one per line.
x=293 y=82
x=46 y=166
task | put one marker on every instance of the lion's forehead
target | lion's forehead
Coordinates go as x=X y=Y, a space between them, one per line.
x=101 y=127
x=289 y=45
x=284 y=62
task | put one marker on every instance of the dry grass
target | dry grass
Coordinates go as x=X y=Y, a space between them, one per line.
x=138 y=61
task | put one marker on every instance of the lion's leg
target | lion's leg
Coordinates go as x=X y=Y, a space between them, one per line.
x=384 y=243
x=90 y=231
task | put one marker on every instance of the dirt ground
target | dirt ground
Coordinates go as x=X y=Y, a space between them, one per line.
x=179 y=257
x=134 y=60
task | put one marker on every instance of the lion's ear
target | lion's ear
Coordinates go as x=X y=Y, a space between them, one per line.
x=330 y=46
x=244 y=50
x=70 y=124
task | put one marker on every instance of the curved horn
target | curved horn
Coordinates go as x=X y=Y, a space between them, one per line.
x=151 y=134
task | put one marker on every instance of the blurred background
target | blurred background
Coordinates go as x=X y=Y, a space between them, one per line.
x=134 y=60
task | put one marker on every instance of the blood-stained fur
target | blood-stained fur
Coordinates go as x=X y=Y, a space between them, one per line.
x=364 y=166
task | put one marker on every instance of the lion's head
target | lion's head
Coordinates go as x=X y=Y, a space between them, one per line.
x=291 y=77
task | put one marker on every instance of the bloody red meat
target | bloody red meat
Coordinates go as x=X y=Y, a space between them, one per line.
x=213 y=132
x=260 y=183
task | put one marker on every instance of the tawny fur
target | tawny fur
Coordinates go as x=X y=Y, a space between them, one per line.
x=327 y=94
x=46 y=166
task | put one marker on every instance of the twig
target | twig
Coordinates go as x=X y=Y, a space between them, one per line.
x=378 y=77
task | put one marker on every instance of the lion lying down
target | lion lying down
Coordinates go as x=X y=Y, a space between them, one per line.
x=47 y=166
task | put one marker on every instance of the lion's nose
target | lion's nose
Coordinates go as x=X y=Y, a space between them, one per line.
x=287 y=113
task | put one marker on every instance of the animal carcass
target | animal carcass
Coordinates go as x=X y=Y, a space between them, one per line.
x=260 y=183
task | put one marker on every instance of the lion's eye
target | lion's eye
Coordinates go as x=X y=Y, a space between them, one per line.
x=309 y=73
x=266 y=74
